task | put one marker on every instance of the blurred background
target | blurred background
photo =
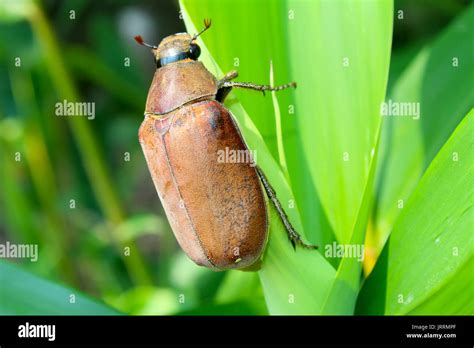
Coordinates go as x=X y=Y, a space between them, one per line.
x=80 y=188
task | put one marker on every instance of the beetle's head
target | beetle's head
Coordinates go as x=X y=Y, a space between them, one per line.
x=176 y=47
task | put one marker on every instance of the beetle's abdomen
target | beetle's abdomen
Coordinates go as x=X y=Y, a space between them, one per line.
x=207 y=184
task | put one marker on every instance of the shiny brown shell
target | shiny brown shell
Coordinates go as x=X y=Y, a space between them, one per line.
x=217 y=211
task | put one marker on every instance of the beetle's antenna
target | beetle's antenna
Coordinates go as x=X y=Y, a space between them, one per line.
x=207 y=25
x=139 y=39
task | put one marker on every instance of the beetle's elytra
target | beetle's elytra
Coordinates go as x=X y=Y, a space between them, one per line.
x=216 y=210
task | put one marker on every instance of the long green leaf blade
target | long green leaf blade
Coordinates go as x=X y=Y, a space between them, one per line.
x=438 y=78
x=23 y=293
x=342 y=65
x=430 y=251
x=345 y=288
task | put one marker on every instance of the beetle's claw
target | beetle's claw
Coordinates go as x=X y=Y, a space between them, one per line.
x=207 y=22
x=308 y=246
x=311 y=246
x=297 y=241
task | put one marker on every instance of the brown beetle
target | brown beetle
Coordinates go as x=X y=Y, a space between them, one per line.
x=216 y=210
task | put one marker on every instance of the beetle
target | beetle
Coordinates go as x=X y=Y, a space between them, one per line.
x=217 y=211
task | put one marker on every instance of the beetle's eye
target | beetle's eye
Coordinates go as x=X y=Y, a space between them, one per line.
x=194 y=51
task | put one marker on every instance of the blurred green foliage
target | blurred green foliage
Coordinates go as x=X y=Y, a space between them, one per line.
x=49 y=164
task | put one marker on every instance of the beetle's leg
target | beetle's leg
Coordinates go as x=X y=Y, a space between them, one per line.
x=224 y=86
x=263 y=88
x=227 y=77
x=294 y=236
x=222 y=92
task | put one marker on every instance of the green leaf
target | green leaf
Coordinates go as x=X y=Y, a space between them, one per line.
x=294 y=282
x=429 y=254
x=457 y=292
x=345 y=289
x=342 y=65
x=23 y=293
x=239 y=285
x=342 y=57
x=410 y=143
x=371 y=299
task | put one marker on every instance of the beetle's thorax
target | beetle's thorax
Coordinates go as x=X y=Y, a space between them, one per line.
x=177 y=84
